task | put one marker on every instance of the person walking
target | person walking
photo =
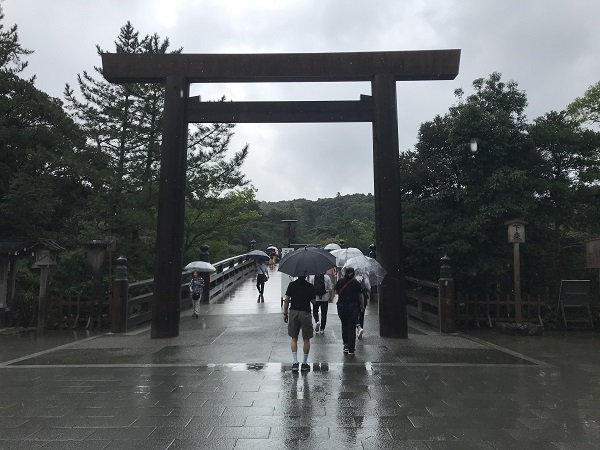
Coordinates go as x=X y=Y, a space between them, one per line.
x=196 y=288
x=324 y=292
x=299 y=296
x=366 y=289
x=350 y=302
x=262 y=275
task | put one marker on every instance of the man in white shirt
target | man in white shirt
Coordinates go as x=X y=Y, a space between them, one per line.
x=324 y=292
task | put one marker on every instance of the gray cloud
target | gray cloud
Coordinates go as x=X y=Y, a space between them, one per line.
x=548 y=46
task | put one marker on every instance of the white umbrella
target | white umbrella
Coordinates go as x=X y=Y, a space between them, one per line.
x=332 y=246
x=344 y=254
x=200 y=266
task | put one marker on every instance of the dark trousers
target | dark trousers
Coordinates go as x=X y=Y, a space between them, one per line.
x=361 y=314
x=260 y=283
x=348 y=314
x=324 y=306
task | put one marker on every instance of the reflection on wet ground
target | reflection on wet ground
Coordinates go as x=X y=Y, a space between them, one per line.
x=226 y=382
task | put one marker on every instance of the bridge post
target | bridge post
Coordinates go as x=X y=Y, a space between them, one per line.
x=120 y=297
x=446 y=297
x=205 y=256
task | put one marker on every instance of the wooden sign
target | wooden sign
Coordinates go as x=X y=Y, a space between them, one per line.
x=592 y=254
x=516 y=232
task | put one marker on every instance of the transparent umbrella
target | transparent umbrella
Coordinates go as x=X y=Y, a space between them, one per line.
x=332 y=246
x=344 y=254
x=365 y=265
x=199 y=266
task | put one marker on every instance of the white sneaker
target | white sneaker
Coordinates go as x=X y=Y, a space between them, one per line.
x=317 y=327
x=360 y=332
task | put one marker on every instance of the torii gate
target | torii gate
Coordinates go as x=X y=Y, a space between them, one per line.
x=177 y=71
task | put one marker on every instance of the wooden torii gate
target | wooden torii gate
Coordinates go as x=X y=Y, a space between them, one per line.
x=178 y=71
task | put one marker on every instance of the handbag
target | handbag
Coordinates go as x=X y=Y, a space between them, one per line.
x=195 y=296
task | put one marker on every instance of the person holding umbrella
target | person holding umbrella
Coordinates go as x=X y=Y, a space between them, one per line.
x=196 y=287
x=299 y=296
x=262 y=275
x=350 y=302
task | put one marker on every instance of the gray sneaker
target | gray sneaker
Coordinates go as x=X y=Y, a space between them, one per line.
x=305 y=367
x=295 y=367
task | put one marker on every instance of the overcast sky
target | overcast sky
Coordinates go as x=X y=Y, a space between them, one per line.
x=551 y=48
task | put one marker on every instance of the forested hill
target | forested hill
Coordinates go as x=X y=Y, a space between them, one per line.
x=347 y=217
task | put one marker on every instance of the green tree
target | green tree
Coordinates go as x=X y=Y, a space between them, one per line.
x=586 y=109
x=456 y=200
x=41 y=186
x=568 y=187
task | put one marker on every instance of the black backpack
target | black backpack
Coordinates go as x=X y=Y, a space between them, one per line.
x=320 y=285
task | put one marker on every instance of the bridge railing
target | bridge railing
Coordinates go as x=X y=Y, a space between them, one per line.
x=131 y=304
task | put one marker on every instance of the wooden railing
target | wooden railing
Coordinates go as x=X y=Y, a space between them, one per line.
x=229 y=272
x=422 y=300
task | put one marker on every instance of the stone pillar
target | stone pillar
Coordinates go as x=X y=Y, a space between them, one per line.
x=4 y=269
x=43 y=301
x=119 y=309
x=446 y=311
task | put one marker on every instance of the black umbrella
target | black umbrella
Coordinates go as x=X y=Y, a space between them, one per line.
x=306 y=261
x=257 y=254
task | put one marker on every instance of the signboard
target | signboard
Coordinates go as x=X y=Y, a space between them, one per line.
x=574 y=303
x=592 y=254
x=516 y=233
x=574 y=292
x=44 y=258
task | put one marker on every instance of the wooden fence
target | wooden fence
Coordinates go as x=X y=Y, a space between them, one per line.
x=475 y=310
x=424 y=302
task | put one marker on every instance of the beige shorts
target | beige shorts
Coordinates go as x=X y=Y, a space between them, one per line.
x=300 y=320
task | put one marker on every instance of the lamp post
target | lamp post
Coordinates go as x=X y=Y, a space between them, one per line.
x=516 y=236
x=289 y=230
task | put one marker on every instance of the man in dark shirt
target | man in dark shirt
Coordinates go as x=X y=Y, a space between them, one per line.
x=301 y=294
x=350 y=302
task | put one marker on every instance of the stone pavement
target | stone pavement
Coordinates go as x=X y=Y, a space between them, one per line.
x=226 y=383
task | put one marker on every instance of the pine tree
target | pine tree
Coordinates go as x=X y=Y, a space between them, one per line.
x=124 y=125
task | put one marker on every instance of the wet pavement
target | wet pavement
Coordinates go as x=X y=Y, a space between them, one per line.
x=226 y=383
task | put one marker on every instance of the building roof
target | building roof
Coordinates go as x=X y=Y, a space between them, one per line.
x=18 y=245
